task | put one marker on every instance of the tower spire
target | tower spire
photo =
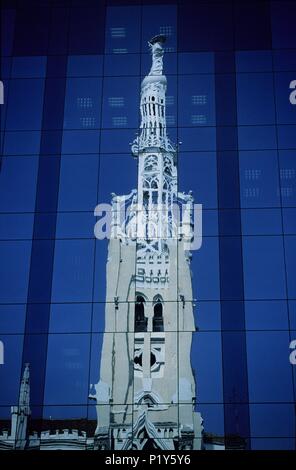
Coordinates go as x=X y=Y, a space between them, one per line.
x=21 y=413
x=157 y=54
x=152 y=105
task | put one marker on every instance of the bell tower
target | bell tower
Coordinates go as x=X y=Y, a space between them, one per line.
x=146 y=393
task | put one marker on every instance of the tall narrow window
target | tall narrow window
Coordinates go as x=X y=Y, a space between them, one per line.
x=158 y=317
x=140 y=320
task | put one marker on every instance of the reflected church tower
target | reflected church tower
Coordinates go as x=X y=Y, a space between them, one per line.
x=146 y=393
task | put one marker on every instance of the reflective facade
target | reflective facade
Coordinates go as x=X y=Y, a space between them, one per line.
x=72 y=72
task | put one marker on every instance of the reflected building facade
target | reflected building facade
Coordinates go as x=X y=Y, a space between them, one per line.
x=146 y=394
x=73 y=72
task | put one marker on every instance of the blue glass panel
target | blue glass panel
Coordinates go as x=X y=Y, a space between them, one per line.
x=32 y=31
x=225 y=97
x=118 y=173
x=235 y=381
x=209 y=372
x=44 y=226
x=28 y=67
x=36 y=321
x=264 y=272
x=261 y=221
x=70 y=318
x=198 y=172
x=25 y=95
x=290 y=254
x=73 y=271
x=257 y=137
x=229 y=222
x=159 y=19
x=5 y=414
x=85 y=66
x=237 y=426
x=12 y=319
x=5 y=67
x=41 y=273
x=18 y=184
x=227 y=177
x=117 y=140
x=207 y=315
x=7 y=30
x=122 y=64
x=266 y=315
x=269 y=371
x=250 y=34
x=286 y=137
x=120 y=108
x=83 y=103
x=226 y=138
x=51 y=142
x=86 y=29
x=196 y=62
x=289 y=221
x=272 y=420
x=78 y=182
x=231 y=284
x=123 y=29
x=196 y=100
x=54 y=98
x=48 y=183
x=205 y=265
x=75 y=225
x=67 y=365
x=75 y=142
x=292 y=315
x=205 y=26
x=213 y=416
x=284 y=60
x=255 y=101
x=14 y=270
x=253 y=61
x=209 y=221
x=16 y=226
x=171 y=105
x=283 y=24
x=288 y=177
x=56 y=67
x=224 y=63
x=259 y=179
x=58 y=39
x=197 y=138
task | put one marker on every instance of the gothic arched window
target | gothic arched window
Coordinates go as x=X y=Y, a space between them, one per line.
x=140 y=320
x=158 y=317
x=154 y=184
